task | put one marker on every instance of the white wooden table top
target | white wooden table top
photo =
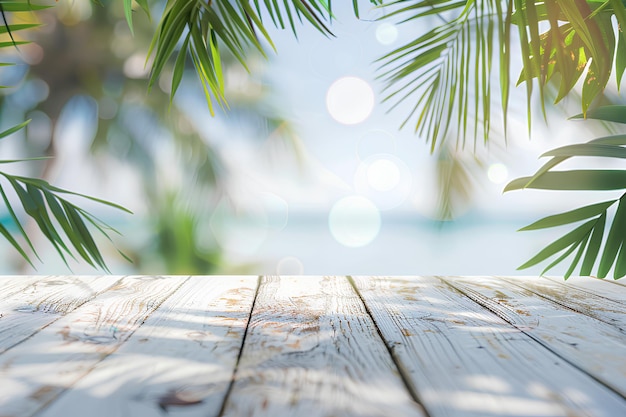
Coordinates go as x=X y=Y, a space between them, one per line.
x=311 y=346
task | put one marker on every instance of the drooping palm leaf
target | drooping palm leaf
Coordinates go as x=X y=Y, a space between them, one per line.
x=588 y=237
x=42 y=202
x=445 y=74
x=447 y=71
x=199 y=29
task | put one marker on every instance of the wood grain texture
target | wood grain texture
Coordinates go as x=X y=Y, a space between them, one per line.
x=620 y=281
x=13 y=284
x=56 y=357
x=312 y=350
x=462 y=360
x=594 y=346
x=180 y=362
x=41 y=302
x=606 y=288
x=582 y=300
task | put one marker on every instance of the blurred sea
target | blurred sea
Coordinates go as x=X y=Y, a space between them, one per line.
x=405 y=245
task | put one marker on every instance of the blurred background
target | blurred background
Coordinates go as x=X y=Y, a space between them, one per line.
x=307 y=172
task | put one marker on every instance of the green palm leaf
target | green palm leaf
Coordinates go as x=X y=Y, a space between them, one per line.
x=444 y=67
x=199 y=29
x=42 y=202
x=447 y=71
x=587 y=238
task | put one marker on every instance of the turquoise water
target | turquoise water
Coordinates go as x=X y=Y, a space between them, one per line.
x=405 y=245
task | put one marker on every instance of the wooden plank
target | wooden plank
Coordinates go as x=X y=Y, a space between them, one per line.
x=593 y=346
x=55 y=358
x=42 y=301
x=312 y=350
x=606 y=288
x=13 y=284
x=462 y=360
x=180 y=361
x=620 y=281
x=583 y=301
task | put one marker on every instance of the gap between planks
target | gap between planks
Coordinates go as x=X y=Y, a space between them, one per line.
x=76 y=342
x=312 y=349
x=179 y=362
x=462 y=359
x=401 y=370
x=243 y=342
x=568 y=333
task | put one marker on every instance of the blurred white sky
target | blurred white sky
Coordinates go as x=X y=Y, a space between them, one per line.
x=363 y=172
x=348 y=159
x=364 y=182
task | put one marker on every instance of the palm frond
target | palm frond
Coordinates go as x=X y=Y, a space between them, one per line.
x=447 y=71
x=199 y=30
x=203 y=27
x=588 y=237
x=42 y=202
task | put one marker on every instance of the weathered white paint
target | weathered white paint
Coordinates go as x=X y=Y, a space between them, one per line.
x=312 y=350
x=51 y=361
x=179 y=362
x=41 y=302
x=154 y=346
x=607 y=288
x=571 y=296
x=12 y=284
x=594 y=346
x=462 y=360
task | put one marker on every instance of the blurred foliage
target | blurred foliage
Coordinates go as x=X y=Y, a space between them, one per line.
x=456 y=173
x=90 y=51
x=158 y=137
x=587 y=238
x=42 y=202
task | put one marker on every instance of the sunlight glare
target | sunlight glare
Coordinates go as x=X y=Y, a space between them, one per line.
x=386 y=33
x=497 y=173
x=135 y=66
x=383 y=175
x=384 y=179
x=350 y=100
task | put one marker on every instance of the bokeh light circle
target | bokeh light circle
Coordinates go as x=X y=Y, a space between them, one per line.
x=290 y=265
x=350 y=100
x=383 y=175
x=354 y=221
x=497 y=173
x=386 y=33
x=384 y=179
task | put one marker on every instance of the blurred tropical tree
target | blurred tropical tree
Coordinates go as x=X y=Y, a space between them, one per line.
x=46 y=205
x=91 y=58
